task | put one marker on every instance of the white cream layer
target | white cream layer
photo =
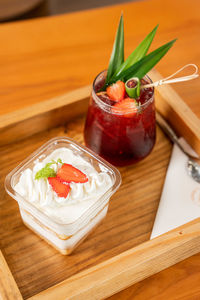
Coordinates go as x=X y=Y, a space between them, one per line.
x=70 y=243
x=80 y=197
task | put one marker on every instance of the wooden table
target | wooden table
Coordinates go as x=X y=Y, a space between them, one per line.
x=46 y=57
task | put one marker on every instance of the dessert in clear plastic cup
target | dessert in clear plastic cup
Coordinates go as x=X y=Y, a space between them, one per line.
x=63 y=222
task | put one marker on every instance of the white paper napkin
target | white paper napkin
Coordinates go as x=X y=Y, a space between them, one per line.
x=180 y=200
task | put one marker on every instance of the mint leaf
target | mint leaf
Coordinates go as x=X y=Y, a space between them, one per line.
x=45 y=173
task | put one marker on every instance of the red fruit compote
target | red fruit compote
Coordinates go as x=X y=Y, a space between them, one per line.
x=122 y=138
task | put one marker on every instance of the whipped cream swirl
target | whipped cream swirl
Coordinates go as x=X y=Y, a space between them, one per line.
x=40 y=193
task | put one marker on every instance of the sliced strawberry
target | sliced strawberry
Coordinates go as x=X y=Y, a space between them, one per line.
x=60 y=188
x=127 y=107
x=116 y=91
x=68 y=173
x=104 y=97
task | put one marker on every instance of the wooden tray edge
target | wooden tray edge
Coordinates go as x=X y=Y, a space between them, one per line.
x=131 y=266
x=8 y=287
x=44 y=106
x=137 y=263
x=177 y=113
x=54 y=112
x=39 y=117
x=119 y=272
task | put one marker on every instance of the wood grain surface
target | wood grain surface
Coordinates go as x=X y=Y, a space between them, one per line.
x=51 y=57
x=36 y=265
x=25 y=122
x=8 y=287
x=44 y=115
x=45 y=57
x=129 y=267
x=62 y=110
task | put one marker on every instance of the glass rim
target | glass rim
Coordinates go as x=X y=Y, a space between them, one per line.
x=107 y=107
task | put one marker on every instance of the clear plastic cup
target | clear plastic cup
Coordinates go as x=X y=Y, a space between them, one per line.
x=64 y=237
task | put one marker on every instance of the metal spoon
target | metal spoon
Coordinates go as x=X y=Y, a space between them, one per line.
x=193 y=166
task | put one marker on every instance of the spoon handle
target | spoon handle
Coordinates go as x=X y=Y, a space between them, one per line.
x=171 y=133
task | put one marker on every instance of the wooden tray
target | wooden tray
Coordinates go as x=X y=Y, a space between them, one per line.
x=118 y=253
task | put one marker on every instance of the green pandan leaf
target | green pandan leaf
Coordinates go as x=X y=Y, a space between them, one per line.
x=117 y=56
x=138 y=53
x=144 y=65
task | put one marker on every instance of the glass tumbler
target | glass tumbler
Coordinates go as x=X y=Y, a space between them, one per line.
x=120 y=138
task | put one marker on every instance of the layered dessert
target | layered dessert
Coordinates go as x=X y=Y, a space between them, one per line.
x=66 y=194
